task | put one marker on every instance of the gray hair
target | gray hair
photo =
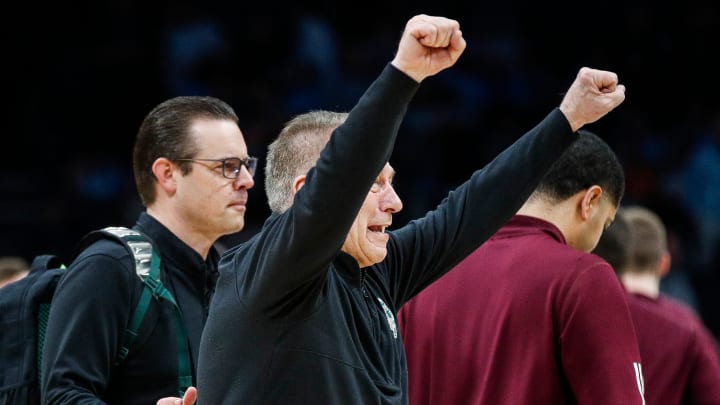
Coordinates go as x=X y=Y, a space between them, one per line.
x=295 y=151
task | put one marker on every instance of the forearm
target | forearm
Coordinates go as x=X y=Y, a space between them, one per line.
x=358 y=150
x=495 y=193
x=480 y=206
x=298 y=245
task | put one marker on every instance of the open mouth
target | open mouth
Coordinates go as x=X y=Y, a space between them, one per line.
x=377 y=228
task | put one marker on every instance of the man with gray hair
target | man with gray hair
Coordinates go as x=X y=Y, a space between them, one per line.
x=304 y=312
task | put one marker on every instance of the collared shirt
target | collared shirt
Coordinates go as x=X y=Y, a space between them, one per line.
x=525 y=319
x=680 y=355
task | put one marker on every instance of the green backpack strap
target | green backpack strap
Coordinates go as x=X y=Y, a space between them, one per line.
x=147 y=267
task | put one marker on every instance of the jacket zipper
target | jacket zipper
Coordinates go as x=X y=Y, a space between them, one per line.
x=372 y=308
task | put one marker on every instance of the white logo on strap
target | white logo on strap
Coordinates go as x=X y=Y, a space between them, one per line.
x=390 y=317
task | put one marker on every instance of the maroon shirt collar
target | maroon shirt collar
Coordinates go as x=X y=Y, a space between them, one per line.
x=527 y=225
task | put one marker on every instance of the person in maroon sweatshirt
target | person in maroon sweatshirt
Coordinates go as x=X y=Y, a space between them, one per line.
x=530 y=317
x=680 y=355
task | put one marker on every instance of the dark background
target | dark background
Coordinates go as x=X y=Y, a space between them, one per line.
x=82 y=76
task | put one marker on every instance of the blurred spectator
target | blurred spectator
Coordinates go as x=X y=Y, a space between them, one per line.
x=683 y=242
x=681 y=362
x=12 y=268
x=695 y=183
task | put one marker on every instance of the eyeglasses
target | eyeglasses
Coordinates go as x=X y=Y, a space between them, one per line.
x=230 y=166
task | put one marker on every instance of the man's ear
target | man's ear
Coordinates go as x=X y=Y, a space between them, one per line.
x=164 y=172
x=664 y=265
x=590 y=201
x=298 y=183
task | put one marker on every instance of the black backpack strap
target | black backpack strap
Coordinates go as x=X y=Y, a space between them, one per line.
x=39 y=264
x=44 y=262
x=147 y=268
x=23 y=316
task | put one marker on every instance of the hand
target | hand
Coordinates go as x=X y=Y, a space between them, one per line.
x=188 y=399
x=428 y=45
x=593 y=94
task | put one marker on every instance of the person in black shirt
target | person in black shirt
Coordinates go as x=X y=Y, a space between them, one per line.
x=193 y=174
x=304 y=311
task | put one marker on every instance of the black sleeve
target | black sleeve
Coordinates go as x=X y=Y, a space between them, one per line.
x=425 y=249
x=88 y=315
x=294 y=249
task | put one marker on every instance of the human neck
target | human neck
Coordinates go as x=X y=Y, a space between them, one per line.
x=191 y=237
x=647 y=284
x=557 y=214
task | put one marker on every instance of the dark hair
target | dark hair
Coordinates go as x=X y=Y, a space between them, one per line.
x=165 y=132
x=588 y=161
x=615 y=244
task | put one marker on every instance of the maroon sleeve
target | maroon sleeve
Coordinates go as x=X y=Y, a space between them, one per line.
x=704 y=379
x=599 y=349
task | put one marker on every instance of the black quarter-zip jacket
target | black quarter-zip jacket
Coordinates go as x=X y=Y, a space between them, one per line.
x=295 y=321
x=92 y=306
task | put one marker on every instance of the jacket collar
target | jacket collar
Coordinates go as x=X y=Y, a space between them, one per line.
x=174 y=251
x=527 y=225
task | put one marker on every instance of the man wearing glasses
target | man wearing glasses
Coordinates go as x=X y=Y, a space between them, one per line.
x=193 y=173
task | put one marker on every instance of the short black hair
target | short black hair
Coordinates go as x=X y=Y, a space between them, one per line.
x=588 y=161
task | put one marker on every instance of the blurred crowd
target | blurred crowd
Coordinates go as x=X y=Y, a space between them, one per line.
x=80 y=85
